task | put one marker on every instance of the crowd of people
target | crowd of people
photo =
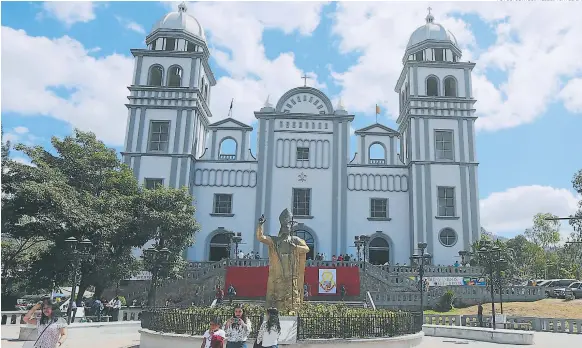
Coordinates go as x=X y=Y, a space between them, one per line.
x=237 y=329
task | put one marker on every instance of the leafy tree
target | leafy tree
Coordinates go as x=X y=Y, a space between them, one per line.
x=84 y=192
x=168 y=214
x=545 y=233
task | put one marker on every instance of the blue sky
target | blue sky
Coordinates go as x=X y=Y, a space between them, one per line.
x=529 y=99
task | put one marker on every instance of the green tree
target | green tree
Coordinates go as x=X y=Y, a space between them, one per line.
x=169 y=215
x=545 y=233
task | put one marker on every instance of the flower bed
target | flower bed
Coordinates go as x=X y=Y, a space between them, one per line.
x=314 y=322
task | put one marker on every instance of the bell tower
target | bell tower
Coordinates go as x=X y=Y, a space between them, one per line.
x=437 y=123
x=168 y=102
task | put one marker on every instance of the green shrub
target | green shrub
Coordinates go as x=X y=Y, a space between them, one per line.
x=445 y=303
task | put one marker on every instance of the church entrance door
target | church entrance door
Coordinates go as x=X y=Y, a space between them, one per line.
x=219 y=246
x=308 y=238
x=379 y=251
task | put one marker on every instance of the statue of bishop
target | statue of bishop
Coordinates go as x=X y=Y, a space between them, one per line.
x=287 y=256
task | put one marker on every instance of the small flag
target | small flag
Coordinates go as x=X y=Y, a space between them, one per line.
x=377 y=110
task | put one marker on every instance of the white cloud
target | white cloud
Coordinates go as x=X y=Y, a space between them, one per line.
x=97 y=85
x=512 y=211
x=534 y=47
x=131 y=25
x=571 y=95
x=20 y=130
x=70 y=12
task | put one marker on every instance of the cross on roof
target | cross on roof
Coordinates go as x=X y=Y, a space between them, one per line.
x=305 y=77
x=429 y=9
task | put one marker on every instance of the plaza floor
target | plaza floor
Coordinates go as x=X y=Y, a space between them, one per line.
x=131 y=340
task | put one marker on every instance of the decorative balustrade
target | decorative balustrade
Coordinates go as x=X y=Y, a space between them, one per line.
x=573 y=326
x=13 y=317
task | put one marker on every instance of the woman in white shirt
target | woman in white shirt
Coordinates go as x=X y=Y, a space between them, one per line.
x=237 y=329
x=268 y=335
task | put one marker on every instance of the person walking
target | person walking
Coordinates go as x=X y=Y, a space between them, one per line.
x=219 y=295
x=51 y=330
x=480 y=314
x=115 y=307
x=343 y=292
x=237 y=329
x=231 y=294
x=268 y=335
x=73 y=309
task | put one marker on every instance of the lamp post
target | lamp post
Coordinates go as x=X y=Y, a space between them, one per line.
x=237 y=239
x=465 y=255
x=359 y=245
x=230 y=236
x=493 y=259
x=158 y=258
x=422 y=256
x=78 y=252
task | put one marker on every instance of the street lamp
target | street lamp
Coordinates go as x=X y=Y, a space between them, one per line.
x=359 y=244
x=158 y=259
x=237 y=239
x=465 y=257
x=230 y=235
x=493 y=259
x=78 y=251
x=422 y=257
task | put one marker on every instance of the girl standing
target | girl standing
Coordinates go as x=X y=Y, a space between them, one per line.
x=52 y=331
x=270 y=330
x=237 y=329
x=214 y=330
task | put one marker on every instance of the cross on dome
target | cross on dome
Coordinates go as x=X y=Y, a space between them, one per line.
x=305 y=77
x=182 y=7
x=429 y=17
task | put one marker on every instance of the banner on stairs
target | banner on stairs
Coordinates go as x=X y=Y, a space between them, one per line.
x=251 y=282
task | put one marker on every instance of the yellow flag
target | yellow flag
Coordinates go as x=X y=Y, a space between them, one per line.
x=377 y=110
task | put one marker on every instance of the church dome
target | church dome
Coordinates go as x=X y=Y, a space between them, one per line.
x=431 y=31
x=181 y=20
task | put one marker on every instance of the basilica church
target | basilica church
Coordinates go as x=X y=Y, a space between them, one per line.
x=416 y=183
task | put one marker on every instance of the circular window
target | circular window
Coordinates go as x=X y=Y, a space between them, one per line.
x=448 y=237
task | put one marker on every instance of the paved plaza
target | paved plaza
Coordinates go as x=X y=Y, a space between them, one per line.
x=92 y=339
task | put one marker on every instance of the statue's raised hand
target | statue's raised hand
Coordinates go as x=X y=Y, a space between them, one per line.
x=262 y=219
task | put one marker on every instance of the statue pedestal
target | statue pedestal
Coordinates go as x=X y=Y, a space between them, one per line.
x=288 y=330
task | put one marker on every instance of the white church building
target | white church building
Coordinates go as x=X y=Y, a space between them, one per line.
x=420 y=187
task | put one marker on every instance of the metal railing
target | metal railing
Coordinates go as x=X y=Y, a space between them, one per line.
x=365 y=325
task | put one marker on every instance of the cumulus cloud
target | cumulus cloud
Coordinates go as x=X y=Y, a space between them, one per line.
x=96 y=87
x=571 y=95
x=20 y=134
x=512 y=211
x=69 y=12
x=534 y=47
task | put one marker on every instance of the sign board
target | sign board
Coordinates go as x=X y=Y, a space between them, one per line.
x=327 y=281
x=143 y=275
x=452 y=281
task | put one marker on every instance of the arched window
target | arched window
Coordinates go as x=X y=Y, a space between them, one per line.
x=227 y=149
x=376 y=154
x=448 y=237
x=432 y=87
x=175 y=76
x=155 y=76
x=308 y=238
x=379 y=251
x=219 y=247
x=450 y=86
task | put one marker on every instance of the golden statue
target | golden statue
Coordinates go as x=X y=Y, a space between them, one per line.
x=287 y=255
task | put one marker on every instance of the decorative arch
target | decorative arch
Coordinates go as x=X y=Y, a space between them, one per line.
x=379 y=245
x=448 y=237
x=376 y=159
x=302 y=227
x=297 y=90
x=450 y=84
x=215 y=239
x=432 y=86
x=175 y=73
x=155 y=75
x=228 y=154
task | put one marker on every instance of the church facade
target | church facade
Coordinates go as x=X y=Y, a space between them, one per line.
x=417 y=183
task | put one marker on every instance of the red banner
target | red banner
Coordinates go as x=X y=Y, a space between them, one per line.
x=252 y=281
